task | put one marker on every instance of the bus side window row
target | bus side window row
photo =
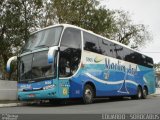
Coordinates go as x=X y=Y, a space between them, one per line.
x=102 y=46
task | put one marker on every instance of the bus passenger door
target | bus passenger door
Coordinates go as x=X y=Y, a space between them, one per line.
x=69 y=60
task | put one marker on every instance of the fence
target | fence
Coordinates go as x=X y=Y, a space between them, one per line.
x=8 y=90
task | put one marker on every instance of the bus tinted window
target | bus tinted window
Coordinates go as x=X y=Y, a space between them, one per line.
x=106 y=47
x=118 y=51
x=41 y=68
x=26 y=67
x=48 y=37
x=90 y=42
x=71 y=38
x=149 y=62
x=70 y=52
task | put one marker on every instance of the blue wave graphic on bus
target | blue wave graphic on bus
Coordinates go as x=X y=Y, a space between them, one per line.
x=123 y=88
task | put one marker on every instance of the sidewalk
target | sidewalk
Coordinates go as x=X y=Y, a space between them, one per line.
x=10 y=103
x=157 y=91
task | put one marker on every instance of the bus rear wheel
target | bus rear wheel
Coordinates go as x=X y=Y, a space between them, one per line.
x=88 y=94
x=145 y=92
x=139 y=94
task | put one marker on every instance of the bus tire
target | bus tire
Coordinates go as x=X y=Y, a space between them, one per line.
x=139 y=93
x=56 y=101
x=88 y=94
x=145 y=93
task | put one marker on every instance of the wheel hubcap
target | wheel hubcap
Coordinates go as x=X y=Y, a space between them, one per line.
x=145 y=92
x=88 y=94
x=139 y=94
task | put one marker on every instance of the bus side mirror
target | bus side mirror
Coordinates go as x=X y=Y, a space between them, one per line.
x=51 y=53
x=9 y=63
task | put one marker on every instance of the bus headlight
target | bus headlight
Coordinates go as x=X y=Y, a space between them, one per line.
x=20 y=89
x=48 y=87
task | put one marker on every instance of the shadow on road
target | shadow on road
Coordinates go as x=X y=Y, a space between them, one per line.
x=64 y=103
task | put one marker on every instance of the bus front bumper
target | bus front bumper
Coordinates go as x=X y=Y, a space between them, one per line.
x=38 y=95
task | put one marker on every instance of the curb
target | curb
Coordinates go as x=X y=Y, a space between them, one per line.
x=11 y=105
x=156 y=94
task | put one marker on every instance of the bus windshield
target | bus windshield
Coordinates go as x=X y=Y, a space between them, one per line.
x=45 y=38
x=35 y=67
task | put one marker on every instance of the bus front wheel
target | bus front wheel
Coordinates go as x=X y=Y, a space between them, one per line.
x=88 y=94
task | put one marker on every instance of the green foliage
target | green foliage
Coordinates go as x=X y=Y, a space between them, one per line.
x=88 y=14
x=157 y=67
x=19 y=17
x=128 y=33
x=85 y=14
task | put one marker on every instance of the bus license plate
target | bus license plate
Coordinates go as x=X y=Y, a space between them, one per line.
x=31 y=95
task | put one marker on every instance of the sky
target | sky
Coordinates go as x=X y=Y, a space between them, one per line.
x=145 y=12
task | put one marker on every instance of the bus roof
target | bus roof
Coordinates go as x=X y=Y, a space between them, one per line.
x=91 y=32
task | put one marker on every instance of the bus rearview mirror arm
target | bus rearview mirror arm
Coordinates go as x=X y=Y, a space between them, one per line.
x=9 y=63
x=51 y=52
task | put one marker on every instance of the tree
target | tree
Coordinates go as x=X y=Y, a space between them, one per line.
x=128 y=33
x=19 y=17
x=47 y=15
x=85 y=14
x=9 y=30
x=157 y=67
x=116 y=25
x=16 y=19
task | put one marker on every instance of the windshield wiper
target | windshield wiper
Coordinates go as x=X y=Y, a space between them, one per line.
x=26 y=50
x=42 y=46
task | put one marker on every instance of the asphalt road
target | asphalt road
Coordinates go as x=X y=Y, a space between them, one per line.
x=100 y=106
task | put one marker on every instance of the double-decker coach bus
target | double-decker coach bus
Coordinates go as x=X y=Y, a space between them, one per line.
x=65 y=61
